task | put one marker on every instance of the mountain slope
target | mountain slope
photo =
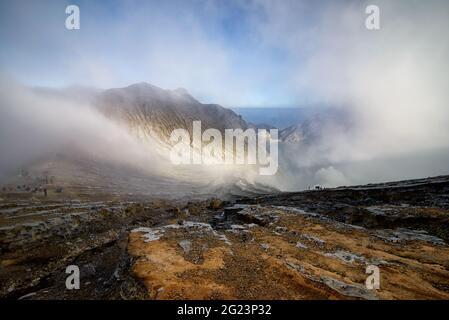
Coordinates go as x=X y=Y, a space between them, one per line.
x=121 y=150
x=150 y=111
x=316 y=127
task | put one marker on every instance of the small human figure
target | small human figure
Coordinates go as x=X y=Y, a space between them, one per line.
x=45 y=191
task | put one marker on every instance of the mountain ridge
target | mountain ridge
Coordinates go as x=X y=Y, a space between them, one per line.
x=149 y=111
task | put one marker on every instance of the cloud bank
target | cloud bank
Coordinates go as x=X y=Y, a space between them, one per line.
x=392 y=83
x=36 y=124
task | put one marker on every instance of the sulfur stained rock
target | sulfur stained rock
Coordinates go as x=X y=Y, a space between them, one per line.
x=305 y=245
x=216 y=204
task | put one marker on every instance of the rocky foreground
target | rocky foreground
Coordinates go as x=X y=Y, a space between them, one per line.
x=306 y=245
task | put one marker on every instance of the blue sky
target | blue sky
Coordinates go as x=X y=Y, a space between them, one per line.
x=214 y=43
x=118 y=38
x=235 y=52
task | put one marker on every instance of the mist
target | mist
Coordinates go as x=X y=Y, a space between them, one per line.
x=391 y=84
x=37 y=123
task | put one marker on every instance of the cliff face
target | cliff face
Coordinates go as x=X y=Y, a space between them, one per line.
x=88 y=164
x=152 y=112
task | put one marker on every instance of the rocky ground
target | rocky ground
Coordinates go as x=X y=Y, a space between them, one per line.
x=305 y=245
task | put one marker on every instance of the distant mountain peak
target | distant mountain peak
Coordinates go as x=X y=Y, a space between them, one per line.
x=182 y=91
x=153 y=112
x=143 y=86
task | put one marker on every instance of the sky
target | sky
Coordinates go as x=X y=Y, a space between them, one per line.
x=236 y=52
x=209 y=47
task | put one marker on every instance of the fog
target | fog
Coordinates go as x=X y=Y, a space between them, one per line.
x=36 y=124
x=392 y=84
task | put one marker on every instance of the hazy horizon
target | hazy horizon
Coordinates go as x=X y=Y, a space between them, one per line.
x=389 y=87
